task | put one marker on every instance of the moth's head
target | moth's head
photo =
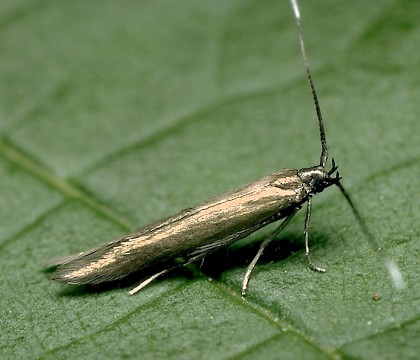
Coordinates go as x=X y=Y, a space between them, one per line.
x=317 y=178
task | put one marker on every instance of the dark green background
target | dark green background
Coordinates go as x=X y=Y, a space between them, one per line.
x=115 y=114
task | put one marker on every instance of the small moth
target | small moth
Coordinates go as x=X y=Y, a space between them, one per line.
x=194 y=233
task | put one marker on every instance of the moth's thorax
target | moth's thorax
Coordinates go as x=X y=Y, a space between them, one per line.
x=315 y=179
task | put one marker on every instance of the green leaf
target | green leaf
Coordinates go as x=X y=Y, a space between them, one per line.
x=116 y=114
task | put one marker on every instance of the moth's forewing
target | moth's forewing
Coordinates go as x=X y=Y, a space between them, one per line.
x=191 y=234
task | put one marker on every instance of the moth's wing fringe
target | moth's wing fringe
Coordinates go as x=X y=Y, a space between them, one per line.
x=63 y=266
x=66 y=265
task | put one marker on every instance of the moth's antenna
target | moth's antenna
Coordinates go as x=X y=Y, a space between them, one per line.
x=392 y=267
x=324 y=151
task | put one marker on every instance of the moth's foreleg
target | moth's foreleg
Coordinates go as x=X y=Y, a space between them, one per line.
x=312 y=266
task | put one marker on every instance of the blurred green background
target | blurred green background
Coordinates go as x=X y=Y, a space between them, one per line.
x=116 y=114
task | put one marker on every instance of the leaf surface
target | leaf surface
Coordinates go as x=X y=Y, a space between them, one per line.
x=114 y=115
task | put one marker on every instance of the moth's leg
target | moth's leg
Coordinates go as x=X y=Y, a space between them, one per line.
x=148 y=281
x=263 y=245
x=312 y=266
x=201 y=263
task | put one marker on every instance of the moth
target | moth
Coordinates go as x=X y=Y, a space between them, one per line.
x=194 y=233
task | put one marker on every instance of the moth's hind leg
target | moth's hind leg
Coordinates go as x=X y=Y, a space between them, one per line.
x=146 y=282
